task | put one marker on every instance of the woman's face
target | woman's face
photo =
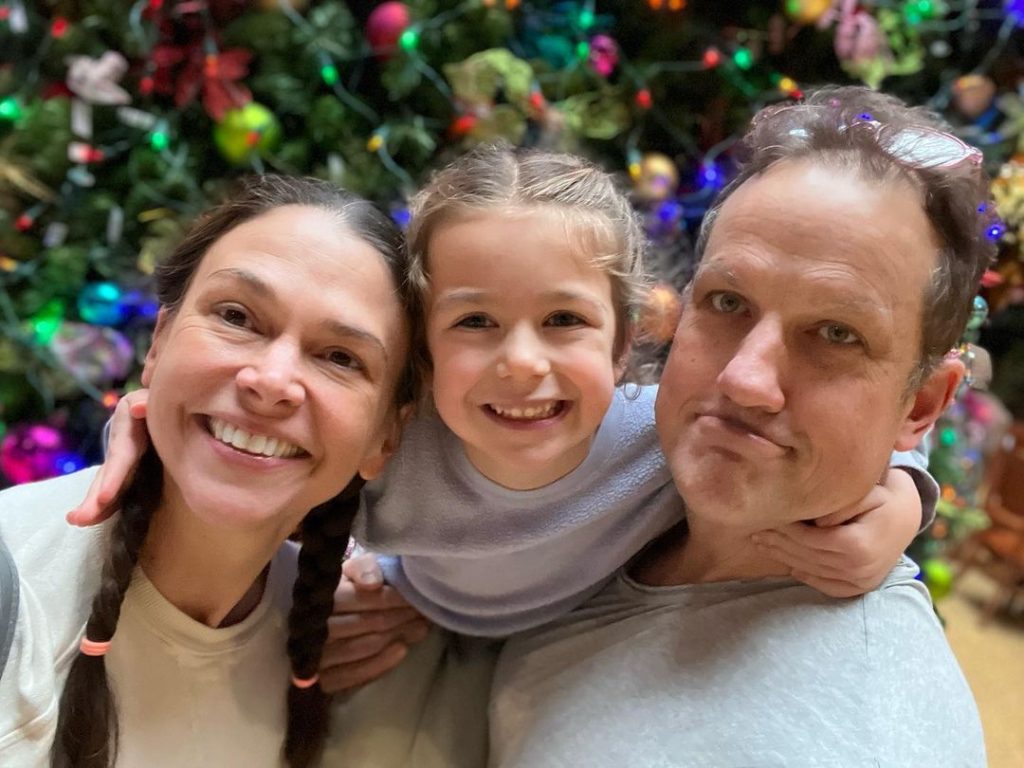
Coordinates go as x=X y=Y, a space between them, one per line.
x=273 y=383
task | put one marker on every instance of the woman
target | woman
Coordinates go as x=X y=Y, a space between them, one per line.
x=276 y=372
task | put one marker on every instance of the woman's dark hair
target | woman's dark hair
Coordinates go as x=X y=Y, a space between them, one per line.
x=853 y=128
x=87 y=725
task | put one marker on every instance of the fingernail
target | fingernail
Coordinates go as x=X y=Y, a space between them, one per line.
x=370 y=577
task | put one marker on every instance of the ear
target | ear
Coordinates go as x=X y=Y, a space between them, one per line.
x=374 y=464
x=625 y=346
x=928 y=403
x=163 y=321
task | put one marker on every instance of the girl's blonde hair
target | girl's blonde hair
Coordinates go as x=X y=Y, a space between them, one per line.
x=599 y=219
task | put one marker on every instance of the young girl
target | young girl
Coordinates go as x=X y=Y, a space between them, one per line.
x=532 y=475
x=187 y=631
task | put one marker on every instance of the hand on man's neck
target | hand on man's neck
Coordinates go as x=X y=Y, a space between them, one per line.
x=698 y=552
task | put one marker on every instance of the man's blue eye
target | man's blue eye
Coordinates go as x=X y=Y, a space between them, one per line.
x=836 y=333
x=726 y=302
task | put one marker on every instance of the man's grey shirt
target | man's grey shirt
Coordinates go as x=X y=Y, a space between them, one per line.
x=743 y=673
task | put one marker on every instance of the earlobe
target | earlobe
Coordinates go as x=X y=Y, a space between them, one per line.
x=374 y=464
x=162 y=321
x=928 y=403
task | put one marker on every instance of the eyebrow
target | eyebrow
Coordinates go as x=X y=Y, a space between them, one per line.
x=475 y=297
x=263 y=289
x=845 y=302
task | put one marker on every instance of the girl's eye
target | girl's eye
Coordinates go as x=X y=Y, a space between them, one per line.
x=564 y=320
x=835 y=333
x=343 y=359
x=475 y=321
x=234 y=316
x=726 y=303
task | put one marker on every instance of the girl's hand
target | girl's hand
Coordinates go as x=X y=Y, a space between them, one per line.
x=128 y=441
x=371 y=629
x=851 y=551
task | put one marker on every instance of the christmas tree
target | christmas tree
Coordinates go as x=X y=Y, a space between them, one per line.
x=118 y=123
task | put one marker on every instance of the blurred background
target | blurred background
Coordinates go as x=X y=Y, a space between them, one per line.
x=120 y=121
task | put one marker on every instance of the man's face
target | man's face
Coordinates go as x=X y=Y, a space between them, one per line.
x=785 y=390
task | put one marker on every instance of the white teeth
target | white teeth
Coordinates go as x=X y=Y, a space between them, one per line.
x=260 y=445
x=532 y=412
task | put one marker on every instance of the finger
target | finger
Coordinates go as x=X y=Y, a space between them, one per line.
x=364 y=571
x=88 y=509
x=827 y=541
x=346 y=677
x=348 y=598
x=799 y=561
x=355 y=624
x=358 y=648
x=830 y=587
x=137 y=402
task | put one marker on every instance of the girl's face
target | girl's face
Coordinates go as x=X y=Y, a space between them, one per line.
x=272 y=384
x=521 y=331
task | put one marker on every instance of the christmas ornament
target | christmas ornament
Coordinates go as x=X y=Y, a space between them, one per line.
x=247 y=132
x=938 y=577
x=604 y=55
x=186 y=71
x=29 y=452
x=93 y=353
x=656 y=177
x=659 y=314
x=973 y=95
x=95 y=80
x=385 y=26
x=100 y=303
x=807 y=11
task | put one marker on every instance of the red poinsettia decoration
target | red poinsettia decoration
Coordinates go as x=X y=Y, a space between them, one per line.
x=185 y=71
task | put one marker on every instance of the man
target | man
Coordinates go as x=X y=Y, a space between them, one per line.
x=836 y=270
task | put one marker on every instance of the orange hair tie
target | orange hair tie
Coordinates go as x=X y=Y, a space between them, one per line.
x=304 y=683
x=93 y=647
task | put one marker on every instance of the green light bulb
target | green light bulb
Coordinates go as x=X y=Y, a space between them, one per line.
x=329 y=74
x=410 y=40
x=10 y=109
x=743 y=58
x=159 y=141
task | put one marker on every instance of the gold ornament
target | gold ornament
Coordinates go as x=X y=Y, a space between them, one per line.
x=973 y=94
x=806 y=11
x=656 y=178
x=659 y=314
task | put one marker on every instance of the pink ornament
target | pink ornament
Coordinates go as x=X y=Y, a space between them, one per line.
x=385 y=26
x=858 y=37
x=604 y=55
x=29 y=452
x=97 y=354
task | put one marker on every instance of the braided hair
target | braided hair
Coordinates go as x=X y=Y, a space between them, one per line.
x=87 y=730
x=325 y=533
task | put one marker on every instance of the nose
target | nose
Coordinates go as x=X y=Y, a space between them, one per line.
x=271 y=379
x=523 y=355
x=753 y=377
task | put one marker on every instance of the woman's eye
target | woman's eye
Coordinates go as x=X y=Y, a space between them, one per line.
x=343 y=359
x=475 y=321
x=836 y=333
x=726 y=303
x=234 y=316
x=564 y=320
